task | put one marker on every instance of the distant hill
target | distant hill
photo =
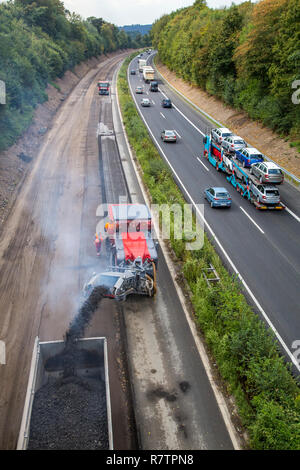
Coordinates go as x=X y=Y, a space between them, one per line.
x=136 y=28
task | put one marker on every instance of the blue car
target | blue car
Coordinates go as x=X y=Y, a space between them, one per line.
x=218 y=197
x=247 y=156
x=166 y=103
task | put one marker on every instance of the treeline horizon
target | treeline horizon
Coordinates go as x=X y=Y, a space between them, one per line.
x=246 y=55
x=39 y=41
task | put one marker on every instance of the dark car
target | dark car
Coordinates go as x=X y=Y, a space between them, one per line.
x=166 y=103
x=153 y=86
x=132 y=72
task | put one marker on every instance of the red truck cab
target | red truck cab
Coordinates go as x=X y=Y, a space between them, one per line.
x=129 y=231
x=103 y=88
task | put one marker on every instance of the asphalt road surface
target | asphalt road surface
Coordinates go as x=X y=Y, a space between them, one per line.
x=262 y=246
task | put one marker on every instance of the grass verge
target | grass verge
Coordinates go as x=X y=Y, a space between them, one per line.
x=246 y=352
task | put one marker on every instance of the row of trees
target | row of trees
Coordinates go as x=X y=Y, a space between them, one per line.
x=39 y=41
x=247 y=55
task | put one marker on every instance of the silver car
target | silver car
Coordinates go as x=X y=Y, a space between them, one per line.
x=233 y=143
x=267 y=172
x=266 y=194
x=168 y=136
x=220 y=133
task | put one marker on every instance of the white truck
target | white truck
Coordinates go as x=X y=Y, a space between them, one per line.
x=142 y=63
x=148 y=74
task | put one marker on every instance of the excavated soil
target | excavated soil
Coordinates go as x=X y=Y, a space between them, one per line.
x=253 y=132
x=70 y=414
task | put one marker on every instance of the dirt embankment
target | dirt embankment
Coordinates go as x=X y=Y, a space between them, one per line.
x=16 y=161
x=253 y=132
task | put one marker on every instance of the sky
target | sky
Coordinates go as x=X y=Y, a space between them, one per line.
x=127 y=12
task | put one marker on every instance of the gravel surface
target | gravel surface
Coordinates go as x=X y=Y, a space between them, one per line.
x=70 y=414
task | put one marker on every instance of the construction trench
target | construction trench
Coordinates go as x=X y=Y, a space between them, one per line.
x=71 y=413
x=160 y=394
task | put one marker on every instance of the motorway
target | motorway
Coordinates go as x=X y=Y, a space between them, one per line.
x=262 y=247
x=46 y=255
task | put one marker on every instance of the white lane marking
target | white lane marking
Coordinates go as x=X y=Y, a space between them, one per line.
x=292 y=214
x=217 y=241
x=207 y=169
x=162 y=115
x=180 y=112
x=153 y=101
x=256 y=225
x=177 y=134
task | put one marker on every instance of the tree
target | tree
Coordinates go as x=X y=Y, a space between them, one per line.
x=39 y=41
x=247 y=55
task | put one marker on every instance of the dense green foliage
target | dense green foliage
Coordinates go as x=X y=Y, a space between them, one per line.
x=246 y=352
x=247 y=55
x=39 y=41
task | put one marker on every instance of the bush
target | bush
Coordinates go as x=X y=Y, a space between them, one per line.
x=275 y=427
